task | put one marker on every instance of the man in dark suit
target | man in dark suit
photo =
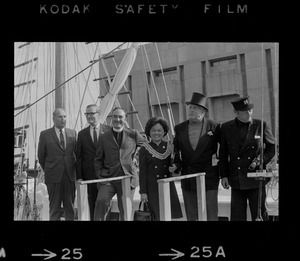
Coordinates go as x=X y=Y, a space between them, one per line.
x=56 y=154
x=240 y=151
x=114 y=157
x=195 y=143
x=87 y=142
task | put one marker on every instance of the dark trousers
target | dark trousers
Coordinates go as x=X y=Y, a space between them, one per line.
x=103 y=202
x=92 y=192
x=238 y=206
x=61 y=193
x=191 y=206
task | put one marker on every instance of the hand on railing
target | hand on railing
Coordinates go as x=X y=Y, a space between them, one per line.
x=172 y=168
x=225 y=183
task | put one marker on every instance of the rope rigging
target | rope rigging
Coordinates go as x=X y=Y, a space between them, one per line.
x=172 y=121
x=85 y=88
x=62 y=84
x=154 y=85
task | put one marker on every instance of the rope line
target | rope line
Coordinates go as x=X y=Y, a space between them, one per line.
x=60 y=85
x=172 y=121
x=154 y=86
x=147 y=85
x=85 y=88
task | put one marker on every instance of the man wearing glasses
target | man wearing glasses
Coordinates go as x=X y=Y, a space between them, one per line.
x=88 y=140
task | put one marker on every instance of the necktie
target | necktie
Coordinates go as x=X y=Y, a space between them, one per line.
x=62 y=139
x=95 y=136
x=119 y=138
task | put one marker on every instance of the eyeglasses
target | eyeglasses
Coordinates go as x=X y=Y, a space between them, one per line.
x=90 y=113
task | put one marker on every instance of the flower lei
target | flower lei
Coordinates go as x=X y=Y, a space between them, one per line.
x=155 y=153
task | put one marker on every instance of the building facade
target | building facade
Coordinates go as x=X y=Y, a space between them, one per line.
x=165 y=75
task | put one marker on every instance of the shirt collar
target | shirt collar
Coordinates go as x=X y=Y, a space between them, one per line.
x=58 y=130
x=97 y=126
x=118 y=130
x=240 y=123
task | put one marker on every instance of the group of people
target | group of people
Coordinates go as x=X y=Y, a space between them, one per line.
x=101 y=151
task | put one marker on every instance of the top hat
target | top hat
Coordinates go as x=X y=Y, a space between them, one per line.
x=198 y=99
x=242 y=104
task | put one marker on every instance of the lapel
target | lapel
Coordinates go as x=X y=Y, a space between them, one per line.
x=111 y=133
x=56 y=138
x=249 y=135
x=201 y=137
x=186 y=139
x=88 y=136
x=124 y=134
x=202 y=141
x=68 y=134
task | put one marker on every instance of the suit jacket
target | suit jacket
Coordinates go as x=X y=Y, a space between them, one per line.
x=235 y=157
x=53 y=158
x=199 y=160
x=112 y=160
x=86 y=153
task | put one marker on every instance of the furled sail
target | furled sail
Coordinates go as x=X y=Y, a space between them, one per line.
x=122 y=73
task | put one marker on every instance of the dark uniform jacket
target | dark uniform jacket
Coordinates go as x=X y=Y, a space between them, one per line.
x=199 y=160
x=86 y=152
x=236 y=155
x=153 y=168
x=54 y=159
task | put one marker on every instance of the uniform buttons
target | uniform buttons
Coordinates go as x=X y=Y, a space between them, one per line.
x=252 y=147
x=238 y=158
x=249 y=158
x=239 y=167
x=155 y=167
x=157 y=176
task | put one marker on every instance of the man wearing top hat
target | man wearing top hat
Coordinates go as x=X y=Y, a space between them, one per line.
x=240 y=152
x=195 y=142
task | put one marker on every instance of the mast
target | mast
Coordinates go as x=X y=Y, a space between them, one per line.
x=60 y=93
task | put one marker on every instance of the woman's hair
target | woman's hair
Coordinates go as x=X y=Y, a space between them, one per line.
x=153 y=121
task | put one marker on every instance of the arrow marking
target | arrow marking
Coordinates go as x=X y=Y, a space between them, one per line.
x=175 y=255
x=47 y=256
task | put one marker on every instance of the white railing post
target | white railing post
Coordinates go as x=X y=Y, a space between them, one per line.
x=82 y=200
x=201 y=198
x=126 y=199
x=165 y=199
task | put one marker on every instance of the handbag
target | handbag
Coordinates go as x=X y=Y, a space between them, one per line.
x=143 y=214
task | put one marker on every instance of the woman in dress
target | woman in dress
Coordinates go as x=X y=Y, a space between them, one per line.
x=155 y=163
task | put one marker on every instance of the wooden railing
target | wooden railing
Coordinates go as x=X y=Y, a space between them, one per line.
x=82 y=202
x=164 y=196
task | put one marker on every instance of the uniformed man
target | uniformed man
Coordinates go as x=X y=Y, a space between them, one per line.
x=240 y=150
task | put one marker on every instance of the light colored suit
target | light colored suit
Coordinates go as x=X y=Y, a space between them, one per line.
x=113 y=160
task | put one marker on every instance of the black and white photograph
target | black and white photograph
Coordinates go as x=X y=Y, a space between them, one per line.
x=148 y=130
x=198 y=125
